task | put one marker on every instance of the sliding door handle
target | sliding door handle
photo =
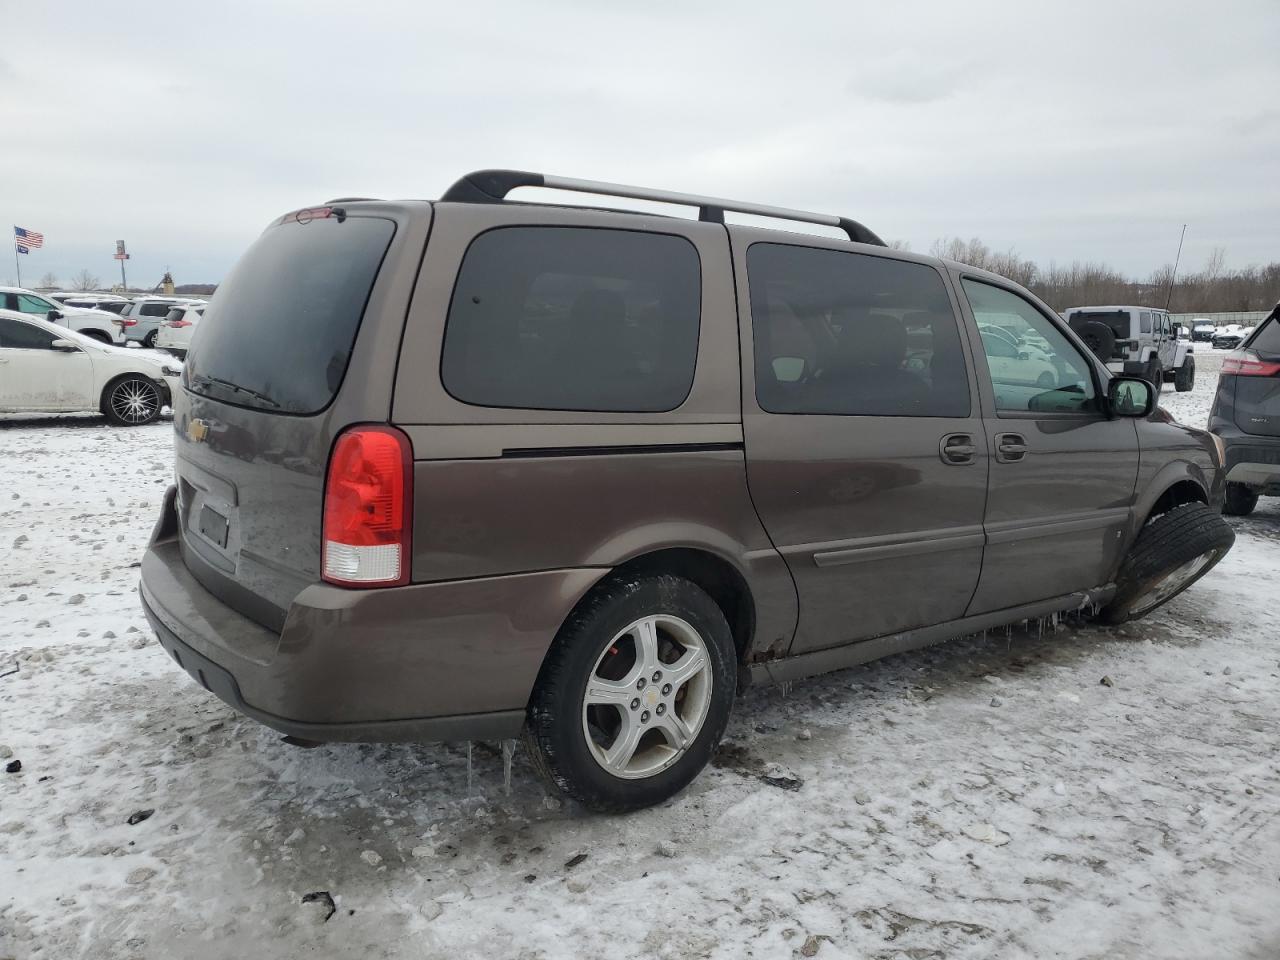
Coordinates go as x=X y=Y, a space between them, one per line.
x=957 y=448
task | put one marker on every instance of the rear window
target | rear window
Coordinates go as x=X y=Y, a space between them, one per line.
x=1267 y=341
x=570 y=318
x=283 y=323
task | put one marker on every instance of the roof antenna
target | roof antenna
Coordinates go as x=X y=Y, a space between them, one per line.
x=1176 y=260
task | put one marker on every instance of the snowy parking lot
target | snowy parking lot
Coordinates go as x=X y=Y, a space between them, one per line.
x=1067 y=793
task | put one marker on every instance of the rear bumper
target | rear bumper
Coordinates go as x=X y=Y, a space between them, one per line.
x=440 y=661
x=1250 y=459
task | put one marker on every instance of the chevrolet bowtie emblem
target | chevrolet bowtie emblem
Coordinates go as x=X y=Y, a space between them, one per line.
x=197 y=430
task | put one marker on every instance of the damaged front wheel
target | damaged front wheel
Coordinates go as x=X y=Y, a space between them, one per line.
x=1172 y=552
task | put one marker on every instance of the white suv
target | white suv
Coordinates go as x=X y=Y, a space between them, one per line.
x=1137 y=341
x=98 y=324
x=174 y=333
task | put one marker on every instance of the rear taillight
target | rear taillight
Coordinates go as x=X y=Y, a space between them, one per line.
x=1246 y=363
x=128 y=322
x=368 y=508
x=179 y=323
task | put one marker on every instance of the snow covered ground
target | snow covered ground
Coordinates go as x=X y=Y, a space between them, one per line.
x=1079 y=793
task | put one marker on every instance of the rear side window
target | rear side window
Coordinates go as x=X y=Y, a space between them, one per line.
x=854 y=335
x=156 y=309
x=282 y=325
x=570 y=318
x=1144 y=322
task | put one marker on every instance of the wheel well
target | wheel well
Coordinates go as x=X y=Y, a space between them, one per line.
x=716 y=576
x=96 y=335
x=1184 y=491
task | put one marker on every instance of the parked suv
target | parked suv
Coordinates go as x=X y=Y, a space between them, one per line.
x=97 y=324
x=1138 y=341
x=497 y=467
x=140 y=321
x=1246 y=415
x=174 y=334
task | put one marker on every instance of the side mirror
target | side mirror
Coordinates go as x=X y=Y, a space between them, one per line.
x=1023 y=355
x=1130 y=397
x=66 y=346
x=53 y=316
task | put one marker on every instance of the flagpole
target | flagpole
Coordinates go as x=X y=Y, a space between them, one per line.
x=16 y=265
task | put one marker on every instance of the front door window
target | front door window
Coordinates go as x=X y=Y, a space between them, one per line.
x=1032 y=365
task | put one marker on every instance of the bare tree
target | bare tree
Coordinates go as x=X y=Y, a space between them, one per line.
x=84 y=280
x=49 y=280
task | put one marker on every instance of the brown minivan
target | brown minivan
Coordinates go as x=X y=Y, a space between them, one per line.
x=473 y=467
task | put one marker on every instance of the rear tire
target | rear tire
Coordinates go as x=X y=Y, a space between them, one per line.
x=149 y=341
x=131 y=401
x=1240 y=500
x=1185 y=378
x=597 y=685
x=1171 y=553
x=1155 y=375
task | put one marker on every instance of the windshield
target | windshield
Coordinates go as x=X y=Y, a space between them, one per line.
x=282 y=325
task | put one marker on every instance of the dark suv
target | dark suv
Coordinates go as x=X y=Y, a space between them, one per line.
x=467 y=468
x=1246 y=416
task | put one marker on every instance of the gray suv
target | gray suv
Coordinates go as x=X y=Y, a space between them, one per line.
x=1246 y=417
x=475 y=468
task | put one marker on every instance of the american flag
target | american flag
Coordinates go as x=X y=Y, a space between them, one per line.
x=27 y=239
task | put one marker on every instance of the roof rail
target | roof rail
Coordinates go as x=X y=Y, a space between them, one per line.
x=492 y=186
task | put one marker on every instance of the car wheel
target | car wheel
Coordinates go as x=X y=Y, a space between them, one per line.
x=634 y=694
x=1185 y=379
x=131 y=401
x=96 y=335
x=1155 y=375
x=1047 y=381
x=149 y=341
x=1172 y=552
x=1240 y=500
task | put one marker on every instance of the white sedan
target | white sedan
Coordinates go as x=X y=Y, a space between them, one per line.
x=46 y=367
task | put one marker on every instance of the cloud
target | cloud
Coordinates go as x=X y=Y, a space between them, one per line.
x=185 y=132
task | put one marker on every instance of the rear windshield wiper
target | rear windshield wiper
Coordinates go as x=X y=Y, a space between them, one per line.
x=200 y=378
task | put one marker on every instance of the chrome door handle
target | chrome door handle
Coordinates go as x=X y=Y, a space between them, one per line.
x=957 y=448
x=1010 y=447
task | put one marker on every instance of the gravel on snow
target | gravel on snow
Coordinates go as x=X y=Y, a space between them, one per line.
x=988 y=797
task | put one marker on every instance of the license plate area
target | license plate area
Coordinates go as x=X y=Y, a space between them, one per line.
x=213 y=526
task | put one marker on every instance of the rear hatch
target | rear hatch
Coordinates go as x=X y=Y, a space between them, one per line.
x=1257 y=380
x=297 y=343
x=1118 y=320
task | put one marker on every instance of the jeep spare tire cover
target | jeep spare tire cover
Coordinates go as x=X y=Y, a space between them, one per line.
x=1098 y=337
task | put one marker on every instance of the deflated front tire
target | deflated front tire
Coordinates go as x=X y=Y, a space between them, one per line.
x=1171 y=553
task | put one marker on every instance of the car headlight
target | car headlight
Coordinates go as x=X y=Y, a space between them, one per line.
x=170 y=372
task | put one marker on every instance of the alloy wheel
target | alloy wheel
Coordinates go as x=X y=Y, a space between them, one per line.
x=647 y=696
x=1173 y=581
x=135 y=401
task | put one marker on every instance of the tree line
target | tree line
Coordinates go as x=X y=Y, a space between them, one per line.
x=1211 y=289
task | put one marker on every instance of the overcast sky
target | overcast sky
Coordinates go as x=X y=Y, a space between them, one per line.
x=1067 y=131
